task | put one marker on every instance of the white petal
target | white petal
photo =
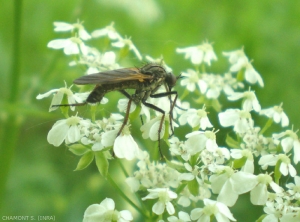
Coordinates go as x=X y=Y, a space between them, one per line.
x=109 y=137
x=125 y=147
x=243 y=182
x=41 y=96
x=170 y=208
x=158 y=208
x=108 y=203
x=259 y=195
x=126 y=215
x=227 y=195
x=58 y=43
x=58 y=133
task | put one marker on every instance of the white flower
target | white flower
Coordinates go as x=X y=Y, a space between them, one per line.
x=182 y=217
x=250 y=101
x=199 y=54
x=178 y=148
x=249 y=163
x=57 y=98
x=105 y=212
x=289 y=141
x=277 y=114
x=121 y=43
x=193 y=172
x=190 y=80
x=238 y=61
x=71 y=46
x=96 y=62
x=211 y=85
x=252 y=76
x=259 y=194
x=198 y=141
x=165 y=196
x=108 y=31
x=66 y=27
x=285 y=166
x=229 y=185
x=294 y=188
x=240 y=119
x=151 y=128
x=218 y=209
x=125 y=146
x=273 y=211
x=195 y=118
x=66 y=129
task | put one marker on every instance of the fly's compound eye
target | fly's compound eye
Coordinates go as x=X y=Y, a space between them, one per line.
x=171 y=80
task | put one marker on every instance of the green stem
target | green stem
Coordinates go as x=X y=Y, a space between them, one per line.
x=267 y=126
x=12 y=122
x=124 y=196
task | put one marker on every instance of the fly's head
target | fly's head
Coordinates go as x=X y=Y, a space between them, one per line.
x=171 y=80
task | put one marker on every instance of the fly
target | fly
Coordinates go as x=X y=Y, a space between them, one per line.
x=145 y=81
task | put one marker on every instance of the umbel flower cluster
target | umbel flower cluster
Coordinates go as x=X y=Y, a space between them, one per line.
x=198 y=180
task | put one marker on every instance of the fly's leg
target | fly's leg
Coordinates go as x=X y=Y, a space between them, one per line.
x=127 y=110
x=172 y=104
x=151 y=106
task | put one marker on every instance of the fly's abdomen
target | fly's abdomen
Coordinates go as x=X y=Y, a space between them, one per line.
x=96 y=95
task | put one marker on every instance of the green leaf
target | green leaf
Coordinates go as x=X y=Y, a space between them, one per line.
x=239 y=163
x=232 y=143
x=78 y=149
x=85 y=160
x=260 y=219
x=216 y=105
x=193 y=186
x=240 y=75
x=102 y=163
x=277 y=173
x=176 y=166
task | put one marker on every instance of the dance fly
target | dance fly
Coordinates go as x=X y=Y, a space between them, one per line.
x=145 y=81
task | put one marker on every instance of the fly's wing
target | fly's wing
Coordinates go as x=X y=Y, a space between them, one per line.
x=113 y=76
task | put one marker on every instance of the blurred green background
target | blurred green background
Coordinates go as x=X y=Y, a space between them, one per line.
x=39 y=177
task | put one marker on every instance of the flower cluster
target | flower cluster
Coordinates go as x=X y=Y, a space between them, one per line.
x=203 y=180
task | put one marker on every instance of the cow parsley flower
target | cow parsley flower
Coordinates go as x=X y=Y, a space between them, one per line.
x=285 y=166
x=105 y=211
x=150 y=129
x=249 y=100
x=218 y=209
x=121 y=43
x=58 y=96
x=182 y=217
x=125 y=146
x=239 y=61
x=259 y=194
x=240 y=119
x=289 y=140
x=277 y=114
x=71 y=46
x=229 y=184
x=66 y=27
x=190 y=80
x=108 y=31
x=198 y=141
x=199 y=54
x=66 y=129
x=249 y=163
x=195 y=118
x=165 y=196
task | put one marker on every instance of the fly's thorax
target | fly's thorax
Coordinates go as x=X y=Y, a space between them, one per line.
x=153 y=69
